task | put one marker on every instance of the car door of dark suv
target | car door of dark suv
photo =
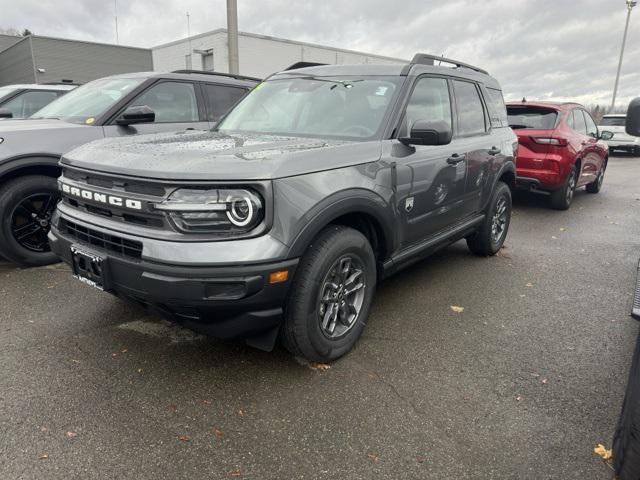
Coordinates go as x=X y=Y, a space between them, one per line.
x=430 y=178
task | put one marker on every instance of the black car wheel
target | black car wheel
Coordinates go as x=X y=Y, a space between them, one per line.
x=490 y=237
x=26 y=207
x=561 y=199
x=330 y=296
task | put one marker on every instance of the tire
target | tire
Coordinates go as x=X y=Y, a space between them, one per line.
x=596 y=185
x=561 y=198
x=26 y=206
x=306 y=331
x=487 y=241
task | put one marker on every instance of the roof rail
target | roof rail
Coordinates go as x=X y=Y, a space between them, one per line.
x=62 y=82
x=426 y=59
x=220 y=74
x=297 y=65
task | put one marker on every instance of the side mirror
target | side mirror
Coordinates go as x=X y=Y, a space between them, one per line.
x=633 y=118
x=5 y=113
x=137 y=114
x=425 y=132
x=606 y=135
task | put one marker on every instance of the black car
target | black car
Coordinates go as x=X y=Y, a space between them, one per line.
x=118 y=106
x=319 y=183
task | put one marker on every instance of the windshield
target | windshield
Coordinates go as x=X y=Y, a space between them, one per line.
x=537 y=118
x=334 y=107
x=89 y=101
x=4 y=91
x=613 y=121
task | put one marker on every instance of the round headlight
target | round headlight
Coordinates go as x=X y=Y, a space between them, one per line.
x=240 y=211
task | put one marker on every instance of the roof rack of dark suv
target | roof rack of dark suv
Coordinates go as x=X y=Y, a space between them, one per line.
x=220 y=74
x=426 y=59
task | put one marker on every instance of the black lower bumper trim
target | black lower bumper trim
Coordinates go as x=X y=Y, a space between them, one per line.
x=635 y=310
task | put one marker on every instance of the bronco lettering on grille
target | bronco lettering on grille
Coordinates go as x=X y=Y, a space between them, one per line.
x=102 y=197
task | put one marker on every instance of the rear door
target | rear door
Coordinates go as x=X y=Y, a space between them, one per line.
x=579 y=142
x=178 y=105
x=431 y=178
x=593 y=154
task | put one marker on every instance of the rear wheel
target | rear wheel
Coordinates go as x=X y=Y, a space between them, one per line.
x=490 y=237
x=596 y=185
x=330 y=296
x=26 y=206
x=561 y=198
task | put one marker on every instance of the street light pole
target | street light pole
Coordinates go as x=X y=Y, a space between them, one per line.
x=630 y=5
x=232 y=35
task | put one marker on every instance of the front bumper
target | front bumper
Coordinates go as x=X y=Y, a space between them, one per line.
x=228 y=301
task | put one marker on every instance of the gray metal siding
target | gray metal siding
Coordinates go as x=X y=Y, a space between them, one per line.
x=7 y=40
x=16 y=65
x=83 y=61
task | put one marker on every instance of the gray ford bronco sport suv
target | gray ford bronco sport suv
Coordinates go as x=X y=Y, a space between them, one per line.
x=117 y=106
x=280 y=222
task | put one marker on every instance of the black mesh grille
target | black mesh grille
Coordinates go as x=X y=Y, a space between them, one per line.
x=106 y=241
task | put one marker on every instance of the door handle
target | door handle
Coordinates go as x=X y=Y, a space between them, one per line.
x=494 y=151
x=455 y=159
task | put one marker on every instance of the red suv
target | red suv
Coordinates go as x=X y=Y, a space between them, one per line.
x=559 y=149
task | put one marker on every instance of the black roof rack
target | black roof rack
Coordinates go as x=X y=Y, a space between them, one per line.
x=426 y=59
x=297 y=65
x=220 y=74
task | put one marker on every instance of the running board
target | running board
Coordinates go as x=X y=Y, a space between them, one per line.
x=635 y=310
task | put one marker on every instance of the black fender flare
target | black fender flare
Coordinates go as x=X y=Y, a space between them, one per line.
x=27 y=161
x=345 y=202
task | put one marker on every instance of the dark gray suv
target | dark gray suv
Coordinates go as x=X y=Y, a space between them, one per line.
x=279 y=223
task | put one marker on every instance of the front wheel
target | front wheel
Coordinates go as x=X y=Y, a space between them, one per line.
x=330 y=296
x=490 y=237
x=26 y=206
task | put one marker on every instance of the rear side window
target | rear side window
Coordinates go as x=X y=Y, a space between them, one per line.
x=537 y=118
x=497 y=109
x=579 y=124
x=220 y=99
x=471 y=118
x=613 y=121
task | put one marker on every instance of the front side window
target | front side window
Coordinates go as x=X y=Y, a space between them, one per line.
x=334 y=107
x=471 y=118
x=429 y=101
x=5 y=91
x=28 y=103
x=172 y=102
x=85 y=103
x=579 y=125
x=220 y=99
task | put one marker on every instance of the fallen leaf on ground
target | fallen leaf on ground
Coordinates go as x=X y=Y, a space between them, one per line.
x=457 y=309
x=518 y=398
x=235 y=473
x=603 y=453
x=184 y=438
x=554 y=237
x=139 y=370
x=206 y=402
x=72 y=434
x=319 y=366
x=44 y=456
x=218 y=433
x=562 y=229
x=374 y=458
x=241 y=413
x=529 y=285
x=544 y=380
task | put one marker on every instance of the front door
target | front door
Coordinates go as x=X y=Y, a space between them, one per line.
x=430 y=179
x=175 y=105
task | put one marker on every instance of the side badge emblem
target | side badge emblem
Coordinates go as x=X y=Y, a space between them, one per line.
x=408 y=205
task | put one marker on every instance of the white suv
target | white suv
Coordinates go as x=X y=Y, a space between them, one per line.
x=621 y=140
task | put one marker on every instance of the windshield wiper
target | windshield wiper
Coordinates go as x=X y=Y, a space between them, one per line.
x=344 y=83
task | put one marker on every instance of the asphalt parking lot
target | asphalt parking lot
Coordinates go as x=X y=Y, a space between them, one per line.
x=522 y=384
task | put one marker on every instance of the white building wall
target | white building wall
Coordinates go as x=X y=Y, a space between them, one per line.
x=260 y=56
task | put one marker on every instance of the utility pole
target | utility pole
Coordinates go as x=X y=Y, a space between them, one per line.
x=115 y=12
x=232 y=36
x=630 y=5
x=190 y=54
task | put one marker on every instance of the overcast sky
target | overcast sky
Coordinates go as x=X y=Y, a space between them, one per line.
x=544 y=49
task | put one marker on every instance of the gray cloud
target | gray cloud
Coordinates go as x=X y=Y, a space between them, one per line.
x=545 y=49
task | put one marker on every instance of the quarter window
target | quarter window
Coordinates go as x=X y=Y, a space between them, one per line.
x=497 y=108
x=220 y=99
x=172 y=102
x=471 y=117
x=429 y=101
